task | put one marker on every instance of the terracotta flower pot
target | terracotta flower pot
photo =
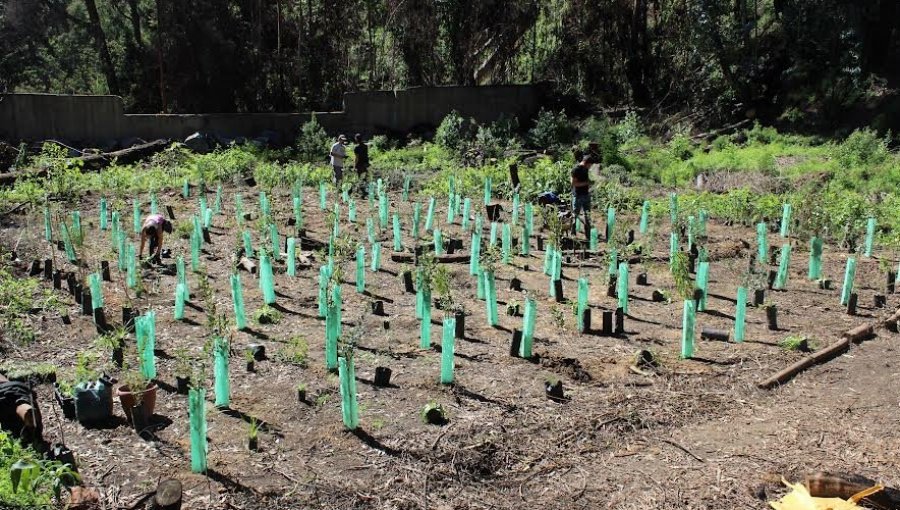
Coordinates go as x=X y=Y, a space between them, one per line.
x=128 y=400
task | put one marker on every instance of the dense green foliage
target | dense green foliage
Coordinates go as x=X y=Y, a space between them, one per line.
x=28 y=481
x=810 y=60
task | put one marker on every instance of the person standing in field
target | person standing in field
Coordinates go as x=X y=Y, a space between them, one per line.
x=338 y=155
x=581 y=194
x=361 y=153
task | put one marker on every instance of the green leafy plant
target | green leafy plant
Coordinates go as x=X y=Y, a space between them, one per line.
x=33 y=482
x=684 y=285
x=295 y=352
x=313 y=142
x=267 y=315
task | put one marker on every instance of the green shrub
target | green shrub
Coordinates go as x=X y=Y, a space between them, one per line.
x=454 y=132
x=863 y=147
x=551 y=130
x=630 y=128
x=313 y=142
x=27 y=480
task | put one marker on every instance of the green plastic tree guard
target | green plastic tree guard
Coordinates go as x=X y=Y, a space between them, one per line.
x=479 y=285
x=131 y=261
x=292 y=256
x=610 y=222
x=529 y=217
x=324 y=276
x=740 y=315
x=781 y=277
x=220 y=372
x=870 y=236
x=528 y=322
x=622 y=287
x=96 y=291
x=479 y=223
x=762 y=241
x=702 y=284
x=406 y=181
x=298 y=213
x=451 y=213
x=145 y=335
x=276 y=241
x=76 y=224
x=207 y=218
x=179 y=302
x=248 y=244
x=438 y=242
x=335 y=228
x=645 y=217
x=425 y=331
x=613 y=261
x=467 y=211
x=266 y=279
x=583 y=287
x=595 y=239
x=687 y=330
x=548 y=260
x=487 y=190
x=198 y=229
x=475 y=253
x=786 y=211
x=703 y=220
x=136 y=216
x=349 y=405
x=376 y=257
x=122 y=250
x=493 y=237
x=370 y=230
x=398 y=241
x=345 y=195
x=673 y=207
x=67 y=242
x=490 y=287
x=525 y=241
x=429 y=218
x=691 y=230
x=506 y=244
x=361 y=269
x=331 y=336
x=186 y=189
x=154 y=204
x=204 y=208
x=382 y=211
x=180 y=276
x=196 y=239
x=448 y=348
x=849 y=275
x=197 y=419
x=815 y=258
x=238 y=208
x=103 y=215
x=237 y=299
x=323 y=196
x=351 y=211
x=514 y=215
x=673 y=247
x=416 y=219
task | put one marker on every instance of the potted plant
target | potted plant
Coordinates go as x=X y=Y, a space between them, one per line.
x=92 y=393
x=64 y=392
x=301 y=393
x=513 y=308
x=114 y=341
x=137 y=394
x=251 y=360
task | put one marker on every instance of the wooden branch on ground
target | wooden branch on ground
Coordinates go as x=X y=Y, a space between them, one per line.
x=724 y=129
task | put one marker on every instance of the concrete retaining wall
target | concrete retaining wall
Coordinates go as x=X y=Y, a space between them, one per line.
x=102 y=120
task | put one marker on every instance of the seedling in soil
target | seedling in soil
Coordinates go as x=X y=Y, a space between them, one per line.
x=251 y=360
x=253 y=435
x=267 y=315
x=296 y=352
x=795 y=343
x=434 y=414
x=559 y=318
x=301 y=393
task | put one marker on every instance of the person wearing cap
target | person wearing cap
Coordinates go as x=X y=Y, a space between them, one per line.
x=338 y=155
x=153 y=229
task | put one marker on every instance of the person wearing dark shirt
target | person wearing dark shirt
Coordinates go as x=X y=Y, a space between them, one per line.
x=581 y=194
x=361 y=152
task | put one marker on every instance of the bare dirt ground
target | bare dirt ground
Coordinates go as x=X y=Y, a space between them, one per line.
x=695 y=434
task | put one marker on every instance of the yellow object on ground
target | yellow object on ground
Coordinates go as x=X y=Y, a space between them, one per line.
x=799 y=499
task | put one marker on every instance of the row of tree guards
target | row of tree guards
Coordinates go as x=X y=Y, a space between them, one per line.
x=484 y=256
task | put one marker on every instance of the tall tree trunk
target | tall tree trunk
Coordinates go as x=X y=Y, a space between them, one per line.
x=102 y=47
x=136 y=24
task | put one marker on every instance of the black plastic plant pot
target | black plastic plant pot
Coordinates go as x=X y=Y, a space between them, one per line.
x=128 y=318
x=382 y=377
x=852 y=303
x=100 y=320
x=385 y=325
x=206 y=237
x=611 y=290
x=772 y=317
x=512 y=310
x=66 y=319
x=251 y=366
x=880 y=300
x=118 y=356
x=408 y=282
x=558 y=291
x=516 y=343
x=825 y=284
x=67 y=404
x=182 y=384
x=253 y=443
x=515 y=284
x=378 y=308
x=554 y=391
x=460 y=317
x=301 y=395
x=71 y=282
x=35 y=268
x=86 y=303
x=586 y=320
x=104 y=271
x=620 y=321
x=629 y=237
x=170 y=212
x=770 y=281
x=715 y=334
x=540 y=243
x=658 y=296
x=692 y=263
x=78 y=293
x=139 y=420
x=57 y=279
x=258 y=351
x=642 y=279
x=759 y=297
x=60 y=245
x=607 y=324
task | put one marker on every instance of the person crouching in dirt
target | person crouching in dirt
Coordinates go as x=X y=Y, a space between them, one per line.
x=19 y=412
x=153 y=228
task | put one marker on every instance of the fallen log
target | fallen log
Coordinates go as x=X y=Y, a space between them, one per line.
x=831 y=485
x=96 y=162
x=827 y=354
